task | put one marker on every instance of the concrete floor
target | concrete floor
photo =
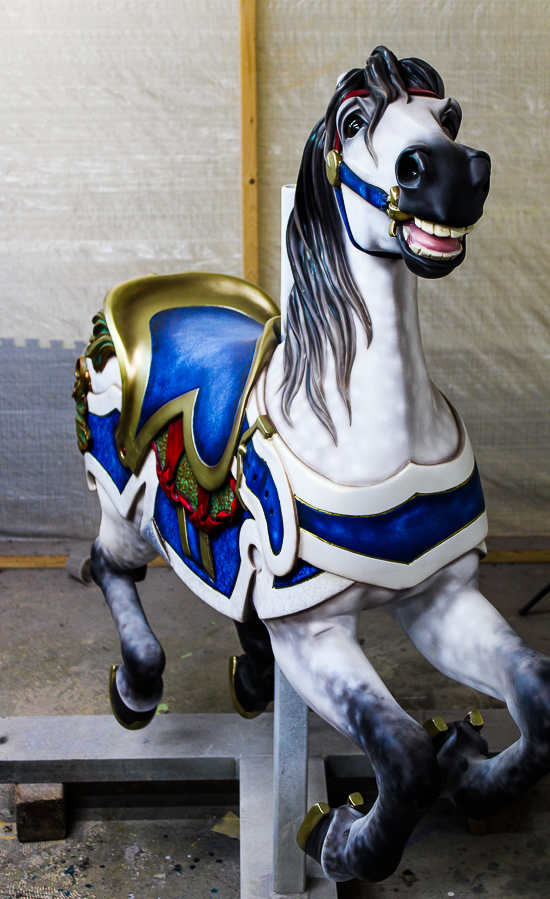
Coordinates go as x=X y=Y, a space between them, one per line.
x=57 y=644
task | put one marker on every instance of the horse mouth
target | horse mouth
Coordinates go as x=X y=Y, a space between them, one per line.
x=433 y=241
x=431 y=250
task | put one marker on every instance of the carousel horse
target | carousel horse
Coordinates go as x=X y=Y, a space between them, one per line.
x=297 y=471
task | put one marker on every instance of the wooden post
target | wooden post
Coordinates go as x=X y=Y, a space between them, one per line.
x=249 y=149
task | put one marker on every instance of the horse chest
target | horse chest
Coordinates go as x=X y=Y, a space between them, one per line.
x=396 y=416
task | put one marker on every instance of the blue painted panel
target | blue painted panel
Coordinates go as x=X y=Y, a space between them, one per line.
x=227 y=559
x=260 y=482
x=301 y=572
x=206 y=347
x=104 y=447
x=225 y=545
x=193 y=538
x=404 y=533
x=166 y=520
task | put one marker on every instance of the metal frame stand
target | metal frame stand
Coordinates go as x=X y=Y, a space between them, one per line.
x=269 y=755
x=290 y=751
x=274 y=796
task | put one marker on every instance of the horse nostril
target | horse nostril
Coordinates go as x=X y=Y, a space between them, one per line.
x=409 y=168
x=481 y=172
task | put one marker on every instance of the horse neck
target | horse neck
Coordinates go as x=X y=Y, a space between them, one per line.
x=394 y=364
x=397 y=415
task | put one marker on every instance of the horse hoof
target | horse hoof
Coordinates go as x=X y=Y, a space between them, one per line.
x=324 y=833
x=315 y=815
x=125 y=716
x=246 y=705
x=476 y=719
x=459 y=749
x=435 y=726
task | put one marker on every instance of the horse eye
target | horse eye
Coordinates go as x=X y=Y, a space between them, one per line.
x=353 y=125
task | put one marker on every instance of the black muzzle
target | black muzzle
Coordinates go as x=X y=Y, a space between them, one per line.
x=444 y=182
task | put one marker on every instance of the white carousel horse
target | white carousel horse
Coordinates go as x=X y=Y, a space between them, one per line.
x=293 y=482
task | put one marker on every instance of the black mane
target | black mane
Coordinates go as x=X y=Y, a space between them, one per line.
x=324 y=298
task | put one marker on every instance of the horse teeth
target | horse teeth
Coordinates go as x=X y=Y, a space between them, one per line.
x=442 y=230
x=424 y=226
x=432 y=254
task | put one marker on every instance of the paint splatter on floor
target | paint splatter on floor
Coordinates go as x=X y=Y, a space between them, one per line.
x=126 y=859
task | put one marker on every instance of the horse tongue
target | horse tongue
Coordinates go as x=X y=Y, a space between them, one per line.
x=431 y=242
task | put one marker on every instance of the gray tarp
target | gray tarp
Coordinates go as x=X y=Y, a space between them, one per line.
x=119 y=155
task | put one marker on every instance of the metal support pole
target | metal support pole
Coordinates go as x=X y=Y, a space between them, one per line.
x=290 y=751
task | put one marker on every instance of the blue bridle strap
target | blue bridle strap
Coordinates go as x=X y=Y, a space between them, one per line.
x=375 y=196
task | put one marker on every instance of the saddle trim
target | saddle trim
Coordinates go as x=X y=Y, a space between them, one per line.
x=129 y=308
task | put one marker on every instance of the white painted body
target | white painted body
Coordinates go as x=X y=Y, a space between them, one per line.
x=401 y=438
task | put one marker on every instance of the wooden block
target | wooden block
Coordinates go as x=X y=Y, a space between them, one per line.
x=506 y=821
x=40 y=812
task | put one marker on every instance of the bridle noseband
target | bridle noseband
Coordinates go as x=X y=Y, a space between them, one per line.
x=339 y=173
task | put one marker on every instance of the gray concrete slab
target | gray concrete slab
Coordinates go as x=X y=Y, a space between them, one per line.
x=67 y=749
x=47 y=669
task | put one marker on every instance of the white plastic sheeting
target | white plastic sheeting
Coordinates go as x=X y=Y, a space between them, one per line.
x=119 y=155
x=119 y=151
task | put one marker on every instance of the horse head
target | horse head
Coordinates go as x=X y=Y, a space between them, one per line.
x=391 y=147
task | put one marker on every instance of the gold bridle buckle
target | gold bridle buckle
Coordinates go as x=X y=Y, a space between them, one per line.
x=395 y=212
x=332 y=163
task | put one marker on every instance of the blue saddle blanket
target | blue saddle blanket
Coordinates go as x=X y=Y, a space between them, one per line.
x=206 y=347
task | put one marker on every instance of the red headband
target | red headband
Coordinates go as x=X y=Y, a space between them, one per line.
x=416 y=91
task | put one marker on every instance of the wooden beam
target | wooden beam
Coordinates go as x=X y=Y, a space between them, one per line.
x=498 y=556
x=249 y=145
x=51 y=562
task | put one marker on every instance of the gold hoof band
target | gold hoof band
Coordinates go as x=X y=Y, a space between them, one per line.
x=355 y=800
x=316 y=813
x=234 y=701
x=139 y=723
x=435 y=726
x=475 y=718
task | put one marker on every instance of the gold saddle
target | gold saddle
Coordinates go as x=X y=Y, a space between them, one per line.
x=190 y=344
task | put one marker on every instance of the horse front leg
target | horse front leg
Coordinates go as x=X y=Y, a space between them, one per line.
x=318 y=652
x=118 y=559
x=464 y=636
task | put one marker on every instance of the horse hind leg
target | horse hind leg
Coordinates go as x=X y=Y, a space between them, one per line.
x=119 y=557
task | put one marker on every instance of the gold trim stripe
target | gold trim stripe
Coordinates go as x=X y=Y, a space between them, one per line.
x=182 y=527
x=206 y=554
x=392 y=508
